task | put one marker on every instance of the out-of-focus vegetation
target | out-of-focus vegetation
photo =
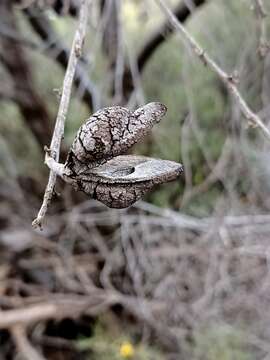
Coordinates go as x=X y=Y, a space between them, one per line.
x=172 y=76
x=149 y=253
x=221 y=343
x=105 y=345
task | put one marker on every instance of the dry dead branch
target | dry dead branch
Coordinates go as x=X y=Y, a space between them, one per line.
x=229 y=80
x=58 y=133
x=24 y=347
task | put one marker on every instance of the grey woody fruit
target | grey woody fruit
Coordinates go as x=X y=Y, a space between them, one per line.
x=96 y=166
x=110 y=132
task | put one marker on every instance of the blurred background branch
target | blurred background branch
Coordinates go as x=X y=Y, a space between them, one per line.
x=181 y=275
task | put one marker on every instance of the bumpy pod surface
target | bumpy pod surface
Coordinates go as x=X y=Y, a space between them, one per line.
x=108 y=133
x=123 y=180
x=96 y=166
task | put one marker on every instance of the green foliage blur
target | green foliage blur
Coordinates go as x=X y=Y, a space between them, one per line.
x=198 y=115
x=220 y=342
x=196 y=126
x=114 y=345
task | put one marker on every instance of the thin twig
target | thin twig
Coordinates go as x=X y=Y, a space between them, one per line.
x=183 y=13
x=24 y=347
x=228 y=80
x=261 y=13
x=58 y=309
x=58 y=134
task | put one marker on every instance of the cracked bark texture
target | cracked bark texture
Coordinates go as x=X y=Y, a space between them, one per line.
x=95 y=166
x=110 y=132
x=123 y=180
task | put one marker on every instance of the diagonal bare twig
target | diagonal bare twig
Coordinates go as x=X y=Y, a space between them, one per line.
x=228 y=80
x=58 y=133
x=183 y=13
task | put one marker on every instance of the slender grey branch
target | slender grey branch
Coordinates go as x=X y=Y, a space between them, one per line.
x=24 y=347
x=260 y=8
x=228 y=80
x=75 y=53
x=261 y=13
x=182 y=12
